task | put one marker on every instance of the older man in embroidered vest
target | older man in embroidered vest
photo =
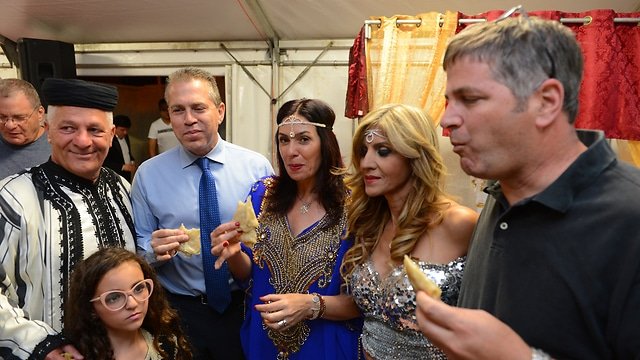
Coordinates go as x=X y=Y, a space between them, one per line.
x=55 y=214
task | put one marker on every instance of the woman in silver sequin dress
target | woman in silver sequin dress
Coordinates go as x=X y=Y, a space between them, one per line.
x=398 y=207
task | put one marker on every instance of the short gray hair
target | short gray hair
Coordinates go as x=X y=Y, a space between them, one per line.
x=11 y=86
x=522 y=52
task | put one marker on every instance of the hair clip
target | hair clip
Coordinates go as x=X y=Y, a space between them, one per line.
x=293 y=120
x=370 y=133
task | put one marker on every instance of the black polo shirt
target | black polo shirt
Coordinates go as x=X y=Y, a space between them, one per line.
x=562 y=268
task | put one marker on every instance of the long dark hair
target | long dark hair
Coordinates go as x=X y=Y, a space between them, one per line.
x=328 y=184
x=89 y=335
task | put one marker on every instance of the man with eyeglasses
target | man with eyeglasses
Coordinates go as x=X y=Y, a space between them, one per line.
x=22 y=144
x=57 y=213
x=553 y=270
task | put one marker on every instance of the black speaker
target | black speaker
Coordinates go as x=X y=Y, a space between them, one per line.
x=41 y=59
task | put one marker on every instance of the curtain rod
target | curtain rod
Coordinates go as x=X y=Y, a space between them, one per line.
x=585 y=21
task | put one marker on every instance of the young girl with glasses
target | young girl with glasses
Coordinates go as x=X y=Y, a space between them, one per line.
x=115 y=311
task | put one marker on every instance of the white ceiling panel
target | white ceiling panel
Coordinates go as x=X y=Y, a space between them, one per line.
x=107 y=21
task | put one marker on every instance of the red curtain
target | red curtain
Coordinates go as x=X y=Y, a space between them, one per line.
x=357 y=103
x=610 y=90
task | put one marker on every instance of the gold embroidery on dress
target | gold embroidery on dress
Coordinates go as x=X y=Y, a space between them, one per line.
x=295 y=263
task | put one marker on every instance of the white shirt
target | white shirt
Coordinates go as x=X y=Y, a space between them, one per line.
x=164 y=134
x=126 y=155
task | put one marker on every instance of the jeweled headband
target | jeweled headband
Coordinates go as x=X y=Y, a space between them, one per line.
x=370 y=133
x=293 y=120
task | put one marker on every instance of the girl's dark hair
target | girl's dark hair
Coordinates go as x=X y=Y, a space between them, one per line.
x=83 y=327
x=329 y=185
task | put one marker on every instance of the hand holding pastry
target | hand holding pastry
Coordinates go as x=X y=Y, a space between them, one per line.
x=246 y=217
x=225 y=241
x=192 y=246
x=165 y=242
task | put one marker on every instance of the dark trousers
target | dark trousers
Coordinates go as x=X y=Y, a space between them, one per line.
x=212 y=336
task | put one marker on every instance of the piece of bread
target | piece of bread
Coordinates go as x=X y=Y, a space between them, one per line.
x=248 y=222
x=191 y=247
x=419 y=279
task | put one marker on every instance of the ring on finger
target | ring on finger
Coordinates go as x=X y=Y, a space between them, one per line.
x=282 y=323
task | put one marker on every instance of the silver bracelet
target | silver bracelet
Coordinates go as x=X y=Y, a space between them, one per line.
x=537 y=354
x=315 y=312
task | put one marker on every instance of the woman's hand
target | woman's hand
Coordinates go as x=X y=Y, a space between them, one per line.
x=225 y=242
x=282 y=311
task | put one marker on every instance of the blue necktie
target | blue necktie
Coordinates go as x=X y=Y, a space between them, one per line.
x=216 y=281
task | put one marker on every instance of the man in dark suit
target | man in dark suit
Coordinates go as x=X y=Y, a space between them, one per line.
x=120 y=158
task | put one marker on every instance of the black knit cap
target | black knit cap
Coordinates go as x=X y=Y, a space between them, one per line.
x=80 y=93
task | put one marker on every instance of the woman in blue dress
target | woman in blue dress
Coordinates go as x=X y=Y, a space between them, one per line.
x=294 y=305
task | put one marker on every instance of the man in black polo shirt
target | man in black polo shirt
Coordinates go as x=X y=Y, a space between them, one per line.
x=554 y=265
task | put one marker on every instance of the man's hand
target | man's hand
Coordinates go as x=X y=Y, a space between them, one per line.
x=65 y=352
x=165 y=242
x=468 y=334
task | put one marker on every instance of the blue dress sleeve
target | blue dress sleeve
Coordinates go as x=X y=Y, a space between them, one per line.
x=256 y=193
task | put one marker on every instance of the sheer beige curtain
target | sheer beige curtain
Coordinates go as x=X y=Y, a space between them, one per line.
x=627 y=150
x=634 y=149
x=404 y=65
x=404 y=61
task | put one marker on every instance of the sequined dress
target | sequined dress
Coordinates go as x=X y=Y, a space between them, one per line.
x=390 y=329
x=306 y=263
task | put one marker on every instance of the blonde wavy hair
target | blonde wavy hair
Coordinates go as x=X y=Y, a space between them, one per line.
x=411 y=133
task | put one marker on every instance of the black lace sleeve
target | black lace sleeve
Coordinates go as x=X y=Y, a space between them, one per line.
x=47 y=345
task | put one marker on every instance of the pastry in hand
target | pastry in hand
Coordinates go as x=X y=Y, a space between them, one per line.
x=191 y=247
x=248 y=222
x=419 y=279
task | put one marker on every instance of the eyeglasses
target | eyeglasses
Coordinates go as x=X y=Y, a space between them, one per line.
x=18 y=119
x=115 y=300
x=523 y=14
